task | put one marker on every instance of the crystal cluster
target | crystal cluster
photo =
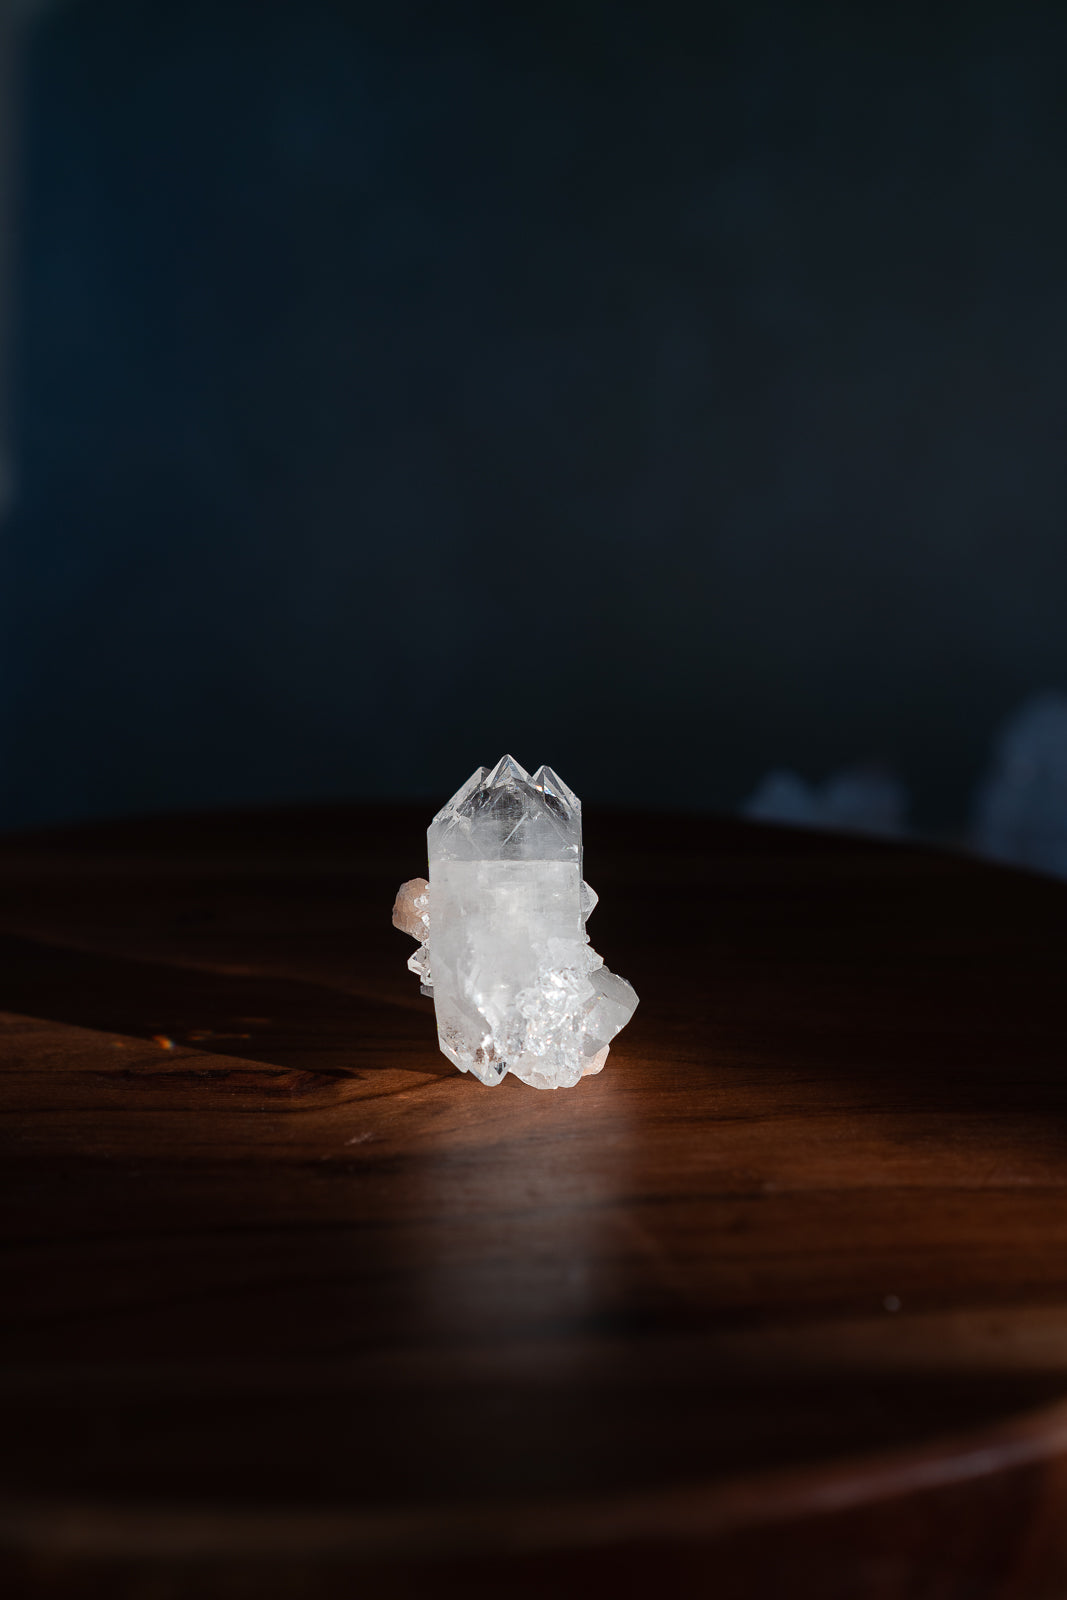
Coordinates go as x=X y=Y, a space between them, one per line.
x=517 y=987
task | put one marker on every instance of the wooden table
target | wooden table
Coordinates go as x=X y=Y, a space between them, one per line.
x=777 y=1305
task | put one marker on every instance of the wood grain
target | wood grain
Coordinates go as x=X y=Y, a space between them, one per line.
x=778 y=1303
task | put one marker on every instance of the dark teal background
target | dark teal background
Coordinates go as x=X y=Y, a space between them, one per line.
x=664 y=392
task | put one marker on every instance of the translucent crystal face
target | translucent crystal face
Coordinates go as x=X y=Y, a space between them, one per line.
x=507 y=815
x=516 y=986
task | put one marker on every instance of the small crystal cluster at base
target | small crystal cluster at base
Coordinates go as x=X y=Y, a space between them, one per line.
x=503 y=950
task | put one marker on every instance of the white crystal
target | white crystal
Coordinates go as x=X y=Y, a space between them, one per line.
x=516 y=985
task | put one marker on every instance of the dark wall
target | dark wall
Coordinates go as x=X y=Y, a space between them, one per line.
x=665 y=392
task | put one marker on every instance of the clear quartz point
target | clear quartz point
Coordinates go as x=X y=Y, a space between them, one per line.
x=546 y=783
x=516 y=985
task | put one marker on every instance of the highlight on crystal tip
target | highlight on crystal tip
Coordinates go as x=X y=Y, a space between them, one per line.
x=503 y=950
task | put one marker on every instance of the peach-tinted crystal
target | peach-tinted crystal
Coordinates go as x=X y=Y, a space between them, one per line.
x=411 y=911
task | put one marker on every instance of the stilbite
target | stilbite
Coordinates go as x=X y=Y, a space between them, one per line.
x=516 y=984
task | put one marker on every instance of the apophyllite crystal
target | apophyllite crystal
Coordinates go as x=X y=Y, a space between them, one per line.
x=516 y=984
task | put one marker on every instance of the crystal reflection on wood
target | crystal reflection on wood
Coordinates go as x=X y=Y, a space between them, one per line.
x=503 y=949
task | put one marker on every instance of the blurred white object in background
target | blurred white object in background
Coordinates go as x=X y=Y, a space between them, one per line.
x=857 y=800
x=1020 y=807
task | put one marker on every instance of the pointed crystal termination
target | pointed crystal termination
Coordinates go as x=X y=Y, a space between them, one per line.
x=546 y=783
x=516 y=985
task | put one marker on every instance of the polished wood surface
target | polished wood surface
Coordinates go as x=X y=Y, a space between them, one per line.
x=776 y=1304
